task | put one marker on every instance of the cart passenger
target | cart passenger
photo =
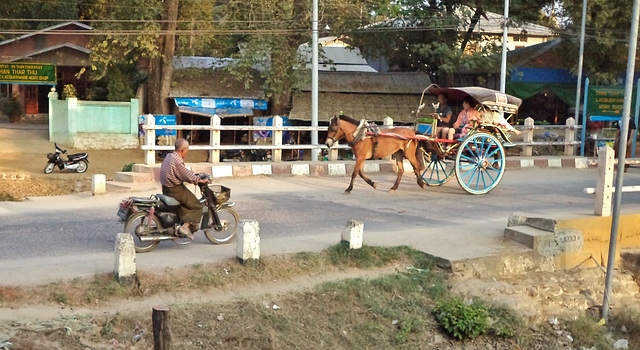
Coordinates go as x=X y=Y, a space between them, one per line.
x=444 y=114
x=463 y=123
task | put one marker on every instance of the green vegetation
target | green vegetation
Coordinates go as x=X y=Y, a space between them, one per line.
x=461 y=320
x=10 y=107
x=5 y=197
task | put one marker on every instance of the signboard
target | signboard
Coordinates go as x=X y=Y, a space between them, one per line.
x=606 y=101
x=28 y=73
x=221 y=103
x=165 y=120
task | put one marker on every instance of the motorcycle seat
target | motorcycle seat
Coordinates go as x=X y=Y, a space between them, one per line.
x=77 y=156
x=169 y=201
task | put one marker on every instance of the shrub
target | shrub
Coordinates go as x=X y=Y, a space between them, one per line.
x=11 y=108
x=460 y=320
x=69 y=91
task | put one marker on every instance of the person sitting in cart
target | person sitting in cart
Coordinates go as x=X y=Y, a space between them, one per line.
x=463 y=122
x=444 y=114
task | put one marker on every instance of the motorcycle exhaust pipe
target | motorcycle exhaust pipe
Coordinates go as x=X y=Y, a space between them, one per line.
x=156 y=238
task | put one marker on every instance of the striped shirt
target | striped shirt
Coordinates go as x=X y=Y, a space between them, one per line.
x=173 y=172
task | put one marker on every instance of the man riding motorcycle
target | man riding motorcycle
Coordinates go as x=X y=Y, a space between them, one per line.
x=173 y=175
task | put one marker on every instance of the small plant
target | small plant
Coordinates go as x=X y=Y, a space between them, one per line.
x=127 y=168
x=69 y=91
x=12 y=108
x=460 y=320
x=507 y=322
x=5 y=197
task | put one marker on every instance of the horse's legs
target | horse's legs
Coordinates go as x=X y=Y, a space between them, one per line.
x=399 y=157
x=416 y=163
x=366 y=179
x=356 y=170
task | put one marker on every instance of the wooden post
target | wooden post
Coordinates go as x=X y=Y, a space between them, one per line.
x=214 y=139
x=569 y=136
x=387 y=123
x=604 y=185
x=150 y=139
x=527 y=151
x=161 y=328
x=276 y=138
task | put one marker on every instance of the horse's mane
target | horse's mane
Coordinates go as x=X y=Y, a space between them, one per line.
x=349 y=119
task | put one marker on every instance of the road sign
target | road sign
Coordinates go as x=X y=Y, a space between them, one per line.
x=28 y=73
x=606 y=101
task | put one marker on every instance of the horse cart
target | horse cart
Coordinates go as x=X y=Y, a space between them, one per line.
x=477 y=159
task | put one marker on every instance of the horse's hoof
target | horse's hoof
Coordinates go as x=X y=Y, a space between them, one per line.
x=347 y=192
x=392 y=190
x=374 y=185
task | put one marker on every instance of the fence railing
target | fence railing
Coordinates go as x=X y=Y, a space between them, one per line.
x=277 y=129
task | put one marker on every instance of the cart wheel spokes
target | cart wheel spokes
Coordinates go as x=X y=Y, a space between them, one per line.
x=438 y=171
x=480 y=163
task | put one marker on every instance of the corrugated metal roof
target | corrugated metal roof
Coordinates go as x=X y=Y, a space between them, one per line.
x=374 y=107
x=337 y=55
x=360 y=82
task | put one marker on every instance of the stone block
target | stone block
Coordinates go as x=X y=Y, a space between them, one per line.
x=387 y=167
x=353 y=234
x=98 y=184
x=248 y=241
x=568 y=163
x=242 y=170
x=337 y=169
x=525 y=163
x=556 y=162
x=581 y=163
x=300 y=169
x=318 y=169
x=261 y=169
x=512 y=163
x=221 y=171
x=516 y=219
x=125 y=258
x=281 y=169
x=541 y=163
x=375 y=167
x=545 y=224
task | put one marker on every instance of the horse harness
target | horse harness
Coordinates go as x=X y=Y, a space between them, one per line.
x=363 y=132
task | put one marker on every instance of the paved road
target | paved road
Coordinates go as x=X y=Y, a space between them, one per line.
x=51 y=238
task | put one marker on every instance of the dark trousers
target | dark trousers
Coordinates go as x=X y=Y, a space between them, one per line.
x=190 y=209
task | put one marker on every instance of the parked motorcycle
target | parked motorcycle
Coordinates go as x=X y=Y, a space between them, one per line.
x=154 y=219
x=78 y=162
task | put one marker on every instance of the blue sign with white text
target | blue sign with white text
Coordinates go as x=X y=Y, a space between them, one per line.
x=165 y=120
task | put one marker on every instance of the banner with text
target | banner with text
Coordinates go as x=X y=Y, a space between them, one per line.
x=607 y=101
x=28 y=73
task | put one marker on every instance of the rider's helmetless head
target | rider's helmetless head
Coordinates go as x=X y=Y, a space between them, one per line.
x=182 y=147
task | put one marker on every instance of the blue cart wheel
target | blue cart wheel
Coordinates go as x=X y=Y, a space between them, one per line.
x=480 y=163
x=438 y=171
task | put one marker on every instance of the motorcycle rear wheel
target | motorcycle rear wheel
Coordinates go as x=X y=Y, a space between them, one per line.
x=227 y=230
x=137 y=225
x=82 y=166
x=49 y=168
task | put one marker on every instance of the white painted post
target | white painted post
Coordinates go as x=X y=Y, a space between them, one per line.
x=214 y=139
x=98 y=184
x=125 y=259
x=248 y=241
x=276 y=138
x=150 y=139
x=387 y=123
x=353 y=234
x=569 y=136
x=528 y=137
x=604 y=185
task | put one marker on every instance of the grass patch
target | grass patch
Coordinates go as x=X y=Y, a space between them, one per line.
x=6 y=197
x=586 y=332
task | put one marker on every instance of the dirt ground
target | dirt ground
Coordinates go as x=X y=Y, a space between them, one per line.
x=539 y=297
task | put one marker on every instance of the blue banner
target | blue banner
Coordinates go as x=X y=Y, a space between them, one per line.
x=221 y=103
x=165 y=120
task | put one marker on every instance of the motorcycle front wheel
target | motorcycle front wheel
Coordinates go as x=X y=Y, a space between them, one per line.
x=227 y=229
x=49 y=168
x=138 y=225
x=82 y=166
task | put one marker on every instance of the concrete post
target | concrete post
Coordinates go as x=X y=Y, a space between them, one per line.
x=604 y=185
x=125 y=259
x=133 y=113
x=528 y=137
x=72 y=113
x=248 y=241
x=387 y=123
x=214 y=139
x=569 y=136
x=276 y=138
x=98 y=184
x=353 y=234
x=150 y=139
x=53 y=96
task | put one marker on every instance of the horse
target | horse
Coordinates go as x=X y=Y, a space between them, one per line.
x=399 y=142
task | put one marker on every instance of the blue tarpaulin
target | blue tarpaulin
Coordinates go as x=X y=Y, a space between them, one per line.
x=219 y=106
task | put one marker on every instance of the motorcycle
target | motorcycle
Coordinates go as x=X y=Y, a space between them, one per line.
x=78 y=162
x=155 y=219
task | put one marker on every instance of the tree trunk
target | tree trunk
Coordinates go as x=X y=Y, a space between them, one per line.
x=474 y=21
x=161 y=69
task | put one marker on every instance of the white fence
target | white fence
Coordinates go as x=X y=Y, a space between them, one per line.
x=214 y=147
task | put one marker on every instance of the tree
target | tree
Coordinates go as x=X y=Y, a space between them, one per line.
x=606 y=47
x=32 y=15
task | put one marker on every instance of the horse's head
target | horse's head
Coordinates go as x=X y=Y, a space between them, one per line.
x=334 y=133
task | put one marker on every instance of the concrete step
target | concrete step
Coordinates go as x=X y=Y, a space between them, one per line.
x=542 y=223
x=531 y=237
x=120 y=186
x=143 y=168
x=517 y=260
x=133 y=177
